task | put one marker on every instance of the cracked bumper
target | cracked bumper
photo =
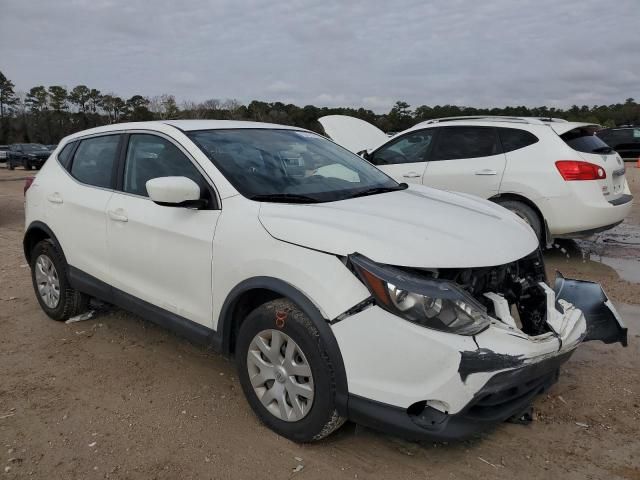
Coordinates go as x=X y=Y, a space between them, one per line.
x=419 y=383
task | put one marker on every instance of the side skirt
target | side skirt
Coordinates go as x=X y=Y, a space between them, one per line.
x=192 y=331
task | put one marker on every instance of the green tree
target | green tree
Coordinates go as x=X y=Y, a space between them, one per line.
x=58 y=98
x=7 y=96
x=37 y=99
x=79 y=96
x=138 y=109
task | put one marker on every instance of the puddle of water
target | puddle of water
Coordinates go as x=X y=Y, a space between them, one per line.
x=618 y=248
x=627 y=268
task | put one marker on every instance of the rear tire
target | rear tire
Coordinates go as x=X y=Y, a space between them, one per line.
x=282 y=325
x=527 y=213
x=27 y=165
x=48 y=269
x=10 y=165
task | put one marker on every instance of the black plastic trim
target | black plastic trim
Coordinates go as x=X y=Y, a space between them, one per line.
x=621 y=200
x=38 y=225
x=587 y=233
x=184 y=327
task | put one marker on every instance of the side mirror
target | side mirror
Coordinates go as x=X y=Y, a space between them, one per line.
x=175 y=192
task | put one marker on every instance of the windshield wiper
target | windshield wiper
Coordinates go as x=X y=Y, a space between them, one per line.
x=602 y=150
x=376 y=190
x=284 y=198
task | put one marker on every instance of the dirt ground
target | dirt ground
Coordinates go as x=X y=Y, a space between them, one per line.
x=117 y=397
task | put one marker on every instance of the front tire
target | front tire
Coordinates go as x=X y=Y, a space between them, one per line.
x=286 y=373
x=49 y=277
x=10 y=165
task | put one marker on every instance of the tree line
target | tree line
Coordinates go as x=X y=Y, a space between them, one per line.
x=46 y=114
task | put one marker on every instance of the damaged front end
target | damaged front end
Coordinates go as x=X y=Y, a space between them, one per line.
x=522 y=331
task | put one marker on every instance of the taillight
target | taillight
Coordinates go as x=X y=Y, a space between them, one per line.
x=579 y=170
x=27 y=183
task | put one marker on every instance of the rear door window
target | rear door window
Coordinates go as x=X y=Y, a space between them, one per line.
x=515 y=138
x=465 y=142
x=583 y=139
x=94 y=160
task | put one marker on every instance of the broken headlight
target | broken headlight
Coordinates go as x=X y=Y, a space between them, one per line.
x=430 y=302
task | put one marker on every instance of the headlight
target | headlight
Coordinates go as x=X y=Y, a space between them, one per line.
x=432 y=303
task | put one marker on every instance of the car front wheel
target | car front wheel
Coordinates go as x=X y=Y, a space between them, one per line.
x=285 y=372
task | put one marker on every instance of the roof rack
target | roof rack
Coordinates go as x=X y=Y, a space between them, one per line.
x=497 y=118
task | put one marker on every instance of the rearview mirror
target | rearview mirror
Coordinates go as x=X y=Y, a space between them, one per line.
x=175 y=192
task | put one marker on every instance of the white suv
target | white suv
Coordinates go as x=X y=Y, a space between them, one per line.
x=557 y=175
x=341 y=293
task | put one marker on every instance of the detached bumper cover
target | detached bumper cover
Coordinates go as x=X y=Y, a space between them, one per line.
x=505 y=395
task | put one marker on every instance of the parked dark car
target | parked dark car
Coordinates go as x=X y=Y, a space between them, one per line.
x=28 y=155
x=624 y=140
x=3 y=153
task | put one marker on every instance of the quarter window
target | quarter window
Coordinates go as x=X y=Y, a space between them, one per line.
x=93 y=162
x=410 y=148
x=465 y=142
x=514 y=138
x=150 y=156
x=64 y=157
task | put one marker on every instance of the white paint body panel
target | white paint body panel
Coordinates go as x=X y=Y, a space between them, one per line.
x=530 y=172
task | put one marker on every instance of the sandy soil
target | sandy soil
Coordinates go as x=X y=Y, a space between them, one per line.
x=117 y=397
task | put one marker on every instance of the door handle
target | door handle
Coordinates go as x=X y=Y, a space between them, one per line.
x=486 y=171
x=55 y=198
x=411 y=175
x=118 y=215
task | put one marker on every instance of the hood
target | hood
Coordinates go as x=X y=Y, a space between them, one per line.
x=418 y=227
x=352 y=133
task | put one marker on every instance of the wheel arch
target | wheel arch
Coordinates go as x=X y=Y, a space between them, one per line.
x=253 y=292
x=546 y=236
x=36 y=232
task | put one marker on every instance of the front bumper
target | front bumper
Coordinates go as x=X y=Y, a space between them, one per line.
x=423 y=384
x=507 y=394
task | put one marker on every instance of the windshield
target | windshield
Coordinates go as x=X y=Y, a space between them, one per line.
x=32 y=147
x=290 y=165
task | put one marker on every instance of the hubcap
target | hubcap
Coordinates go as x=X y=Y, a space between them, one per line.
x=47 y=281
x=280 y=375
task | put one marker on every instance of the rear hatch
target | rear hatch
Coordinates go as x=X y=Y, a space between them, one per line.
x=581 y=138
x=352 y=133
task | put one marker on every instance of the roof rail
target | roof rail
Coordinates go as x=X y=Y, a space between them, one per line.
x=496 y=118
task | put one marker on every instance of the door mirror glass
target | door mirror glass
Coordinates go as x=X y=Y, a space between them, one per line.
x=175 y=192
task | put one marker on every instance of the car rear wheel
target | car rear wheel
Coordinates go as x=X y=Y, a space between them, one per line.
x=285 y=372
x=527 y=213
x=27 y=165
x=49 y=276
x=10 y=165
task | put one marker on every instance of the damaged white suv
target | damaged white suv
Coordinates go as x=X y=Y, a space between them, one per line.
x=341 y=293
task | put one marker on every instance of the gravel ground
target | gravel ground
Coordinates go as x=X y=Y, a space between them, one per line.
x=117 y=397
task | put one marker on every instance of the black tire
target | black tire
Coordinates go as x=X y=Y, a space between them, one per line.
x=27 y=165
x=322 y=418
x=71 y=301
x=10 y=165
x=527 y=213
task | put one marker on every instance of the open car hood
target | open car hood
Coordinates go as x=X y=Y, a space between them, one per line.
x=417 y=227
x=352 y=133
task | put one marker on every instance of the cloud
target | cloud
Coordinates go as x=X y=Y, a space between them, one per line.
x=362 y=53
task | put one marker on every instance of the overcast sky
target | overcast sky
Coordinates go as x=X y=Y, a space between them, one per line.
x=352 y=53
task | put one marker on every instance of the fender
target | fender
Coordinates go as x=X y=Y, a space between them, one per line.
x=225 y=326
